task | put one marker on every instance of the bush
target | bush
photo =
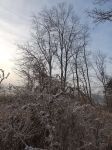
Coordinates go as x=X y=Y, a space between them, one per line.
x=55 y=123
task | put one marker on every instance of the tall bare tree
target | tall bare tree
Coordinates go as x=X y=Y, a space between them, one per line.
x=44 y=40
x=88 y=85
x=63 y=31
x=59 y=39
x=81 y=64
x=65 y=26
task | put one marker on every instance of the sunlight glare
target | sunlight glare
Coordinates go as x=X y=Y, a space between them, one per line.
x=5 y=53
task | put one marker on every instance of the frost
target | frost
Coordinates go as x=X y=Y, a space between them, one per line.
x=31 y=148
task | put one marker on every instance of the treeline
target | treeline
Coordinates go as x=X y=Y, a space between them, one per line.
x=59 y=49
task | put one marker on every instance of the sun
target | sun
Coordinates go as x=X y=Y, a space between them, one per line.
x=5 y=52
x=5 y=56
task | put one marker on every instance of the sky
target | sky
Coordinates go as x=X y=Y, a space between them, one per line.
x=15 y=27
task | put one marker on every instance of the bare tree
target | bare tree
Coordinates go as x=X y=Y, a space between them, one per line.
x=101 y=15
x=66 y=27
x=81 y=65
x=44 y=39
x=101 y=71
x=31 y=66
x=63 y=31
x=59 y=39
x=75 y=64
x=88 y=85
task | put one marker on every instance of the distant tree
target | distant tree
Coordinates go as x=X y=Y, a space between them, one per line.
x=101 y=15
x=100 y=69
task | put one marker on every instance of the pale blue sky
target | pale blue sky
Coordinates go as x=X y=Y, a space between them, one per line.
x=15 y=23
